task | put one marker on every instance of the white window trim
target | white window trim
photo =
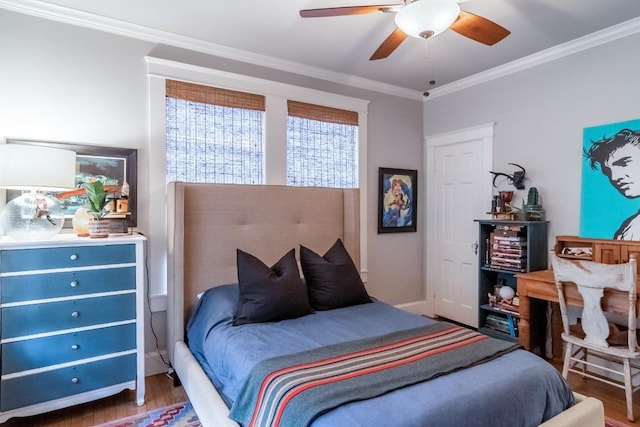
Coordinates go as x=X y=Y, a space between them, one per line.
x=276 y=94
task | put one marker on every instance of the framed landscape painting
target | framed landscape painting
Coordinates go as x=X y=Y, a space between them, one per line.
x=397 y=200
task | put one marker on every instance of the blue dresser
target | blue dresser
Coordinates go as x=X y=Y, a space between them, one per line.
x=71 y=322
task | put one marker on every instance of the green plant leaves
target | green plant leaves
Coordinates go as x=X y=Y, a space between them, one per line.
x=97 y=198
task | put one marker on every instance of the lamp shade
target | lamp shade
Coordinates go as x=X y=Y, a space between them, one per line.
x=426 y=18
x=31 y=166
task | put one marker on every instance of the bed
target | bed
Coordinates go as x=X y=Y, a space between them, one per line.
x=208 y=223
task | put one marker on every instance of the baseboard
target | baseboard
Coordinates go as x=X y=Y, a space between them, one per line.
x=153 y=364
x=416 y=307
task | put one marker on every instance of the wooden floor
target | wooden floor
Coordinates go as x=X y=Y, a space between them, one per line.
x=615 y=406
x=161 y=392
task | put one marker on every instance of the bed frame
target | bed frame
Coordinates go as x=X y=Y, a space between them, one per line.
x=207 y=222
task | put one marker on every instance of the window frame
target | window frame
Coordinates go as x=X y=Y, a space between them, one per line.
x=277 y=94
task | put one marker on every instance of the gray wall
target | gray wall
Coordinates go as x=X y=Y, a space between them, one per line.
x=69 y=84
x=539 y=116
x=64 y=83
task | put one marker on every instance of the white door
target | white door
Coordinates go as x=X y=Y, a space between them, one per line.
x=458 y=192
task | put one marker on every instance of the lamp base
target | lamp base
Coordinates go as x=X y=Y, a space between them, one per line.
x=32 y=216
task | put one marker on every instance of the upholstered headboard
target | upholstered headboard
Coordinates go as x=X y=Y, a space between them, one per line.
x=208 y=222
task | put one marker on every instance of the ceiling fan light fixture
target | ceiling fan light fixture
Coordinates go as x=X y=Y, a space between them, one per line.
x=426 y=18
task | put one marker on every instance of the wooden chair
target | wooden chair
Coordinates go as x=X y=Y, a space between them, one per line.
x=591 y=345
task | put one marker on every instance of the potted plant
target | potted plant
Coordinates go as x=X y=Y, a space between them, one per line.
x=97 y=197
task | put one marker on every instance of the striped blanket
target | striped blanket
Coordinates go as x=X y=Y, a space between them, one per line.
x=292 y=390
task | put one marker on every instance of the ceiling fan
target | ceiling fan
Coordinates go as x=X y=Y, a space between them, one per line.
x=421 y=19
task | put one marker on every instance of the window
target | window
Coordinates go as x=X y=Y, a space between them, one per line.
x=217 y=135
x=322 y=146
x=269 y=139
x=214 y=135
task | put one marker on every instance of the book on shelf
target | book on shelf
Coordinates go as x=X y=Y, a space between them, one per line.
x=513 y=250
x=507 y=241
x=511 y=308
x=498 y=323
x=508 y=267
x=507 y=325
x=507 y=233
x=505 y=227
x=509 y=255
x=514 y=262
x=512 y=326
x=512 y=245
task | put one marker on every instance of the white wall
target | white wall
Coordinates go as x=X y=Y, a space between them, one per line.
x=69 y=84
x=539 y=116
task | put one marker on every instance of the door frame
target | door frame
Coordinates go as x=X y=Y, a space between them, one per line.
x=484 y=135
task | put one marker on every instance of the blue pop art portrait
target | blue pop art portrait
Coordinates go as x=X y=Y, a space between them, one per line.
x=610 y=195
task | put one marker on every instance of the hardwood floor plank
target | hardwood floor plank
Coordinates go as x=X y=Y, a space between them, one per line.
x=159 y=392
x=612 y=397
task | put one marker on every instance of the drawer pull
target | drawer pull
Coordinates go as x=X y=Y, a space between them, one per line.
x=75 y=314
x=75 y=346
x=73 y=284
x=73 y=257
x=74 y=380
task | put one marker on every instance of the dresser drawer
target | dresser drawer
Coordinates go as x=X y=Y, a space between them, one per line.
x=20 y=356
x=65 y=284
x=65 y=257
x=53 y=316
x=44 y=386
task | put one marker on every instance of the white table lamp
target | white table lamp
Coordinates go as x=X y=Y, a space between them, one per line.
x=34 y=215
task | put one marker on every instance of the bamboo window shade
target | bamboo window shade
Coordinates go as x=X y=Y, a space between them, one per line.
x=321 y=148
x=322 y=113
x=214 y=134
x=214 y=96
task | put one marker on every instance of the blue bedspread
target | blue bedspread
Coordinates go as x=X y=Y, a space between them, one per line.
x=516 y=389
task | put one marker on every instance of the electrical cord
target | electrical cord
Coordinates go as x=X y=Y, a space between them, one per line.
x=148 y=297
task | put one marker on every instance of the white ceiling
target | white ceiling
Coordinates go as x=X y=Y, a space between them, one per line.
x=272 y=33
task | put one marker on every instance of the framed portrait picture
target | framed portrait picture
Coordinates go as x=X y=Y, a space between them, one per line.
x=610 y=197
x=113 y=166
x=397 y=200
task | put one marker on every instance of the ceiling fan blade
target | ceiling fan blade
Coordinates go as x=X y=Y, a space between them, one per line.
x=479 y=29
x=348 y=10
x=389 y=45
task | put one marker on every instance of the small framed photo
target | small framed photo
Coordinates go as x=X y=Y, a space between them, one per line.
x=397 y=200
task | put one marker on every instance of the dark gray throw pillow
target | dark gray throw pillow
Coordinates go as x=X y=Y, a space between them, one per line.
x=332 y=280
x=269 y=294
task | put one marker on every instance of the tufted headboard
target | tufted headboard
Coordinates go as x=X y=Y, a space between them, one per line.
x=206 y=223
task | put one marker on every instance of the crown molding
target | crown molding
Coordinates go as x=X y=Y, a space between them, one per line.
x=598 y=38
x=113 y=26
